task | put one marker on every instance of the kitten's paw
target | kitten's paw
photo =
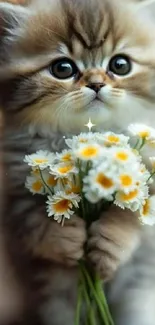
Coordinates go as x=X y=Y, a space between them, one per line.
x=107 y=247
x=64 y=244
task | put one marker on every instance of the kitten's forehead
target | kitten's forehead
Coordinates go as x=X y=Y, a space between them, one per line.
x=86 y=29
x=81 y=24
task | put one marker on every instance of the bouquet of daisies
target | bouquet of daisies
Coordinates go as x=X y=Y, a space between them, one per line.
x=95 y=171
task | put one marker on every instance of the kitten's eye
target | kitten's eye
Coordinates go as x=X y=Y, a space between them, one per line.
x=63 y=68
x=120 y=65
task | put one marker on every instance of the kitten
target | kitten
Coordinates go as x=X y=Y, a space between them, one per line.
x=62 y=62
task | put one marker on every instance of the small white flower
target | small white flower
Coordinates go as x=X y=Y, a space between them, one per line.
x=142 y=131
x=88 y=151
x=82 y=138
x=34 y=185
x=101 y=182
x=132 y=176
x=48 y=178
x=147 y=211
x=127 y=180
x=122 y=155
x=61 y=205
x=144 y=173
x=65 y=156
x=41 y=159
x=132 y=200
x=112 y=139
x=63 y=170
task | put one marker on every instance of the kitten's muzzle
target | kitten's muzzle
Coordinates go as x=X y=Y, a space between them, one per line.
x=95 y=86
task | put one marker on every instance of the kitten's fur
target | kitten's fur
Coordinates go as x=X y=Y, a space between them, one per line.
x=35 y=105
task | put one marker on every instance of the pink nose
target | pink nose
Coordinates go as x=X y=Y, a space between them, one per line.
x=95 y=86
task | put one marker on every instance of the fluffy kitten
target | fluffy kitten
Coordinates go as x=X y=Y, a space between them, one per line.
x=61 y=62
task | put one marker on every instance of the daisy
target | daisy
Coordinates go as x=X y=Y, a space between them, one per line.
x=73 y=185
x=88 y=151
x=34 y=185
x=41 y=159
x=48 y=178
x=63 y=170
x=145 y=174
x=100 y=181
x=113 y=139
x=65 y=156
x=122 y=155
x=61 y=205
x=132 y=200
x=143 y=131
x=127 y=180
x=82 y=138
x=147 y=212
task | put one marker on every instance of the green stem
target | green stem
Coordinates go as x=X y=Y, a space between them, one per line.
x=99 y=303
x=100 y=292
x=91 y=314
x=136 y=144
x=142 y=144
x=46 y=186
x=153 y=173
x=81 y=192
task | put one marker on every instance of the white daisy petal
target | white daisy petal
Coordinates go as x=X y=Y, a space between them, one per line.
x=100 y=181
x=89 y=151
x=147 y=211
x=142 y=131
x=34 y=185
x=82 y=138
x=112 y=139
x=65 y=156
x=63 y=170
x=41 y=159
x=132 y=200
x=61 y=205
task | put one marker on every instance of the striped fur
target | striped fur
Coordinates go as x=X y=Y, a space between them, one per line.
x=38 y=110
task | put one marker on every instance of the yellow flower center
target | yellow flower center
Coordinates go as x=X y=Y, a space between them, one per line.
x=121 y=155
x=113 y=138
x=61 y=206
x=36 y=186
x=89 y=152
x=65 y=169
x=143 y=170
x=126 y=180
x=40 y=160
x=66 y=157
x=82 y=140
x=51 y=181
x=36 y=172
x=144 y=134
x=146 y=207
x=104 y=181
x=130 y=196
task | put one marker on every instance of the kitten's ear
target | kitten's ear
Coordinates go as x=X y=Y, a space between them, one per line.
x=12 y=18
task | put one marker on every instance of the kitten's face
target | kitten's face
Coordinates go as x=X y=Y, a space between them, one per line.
x=74 y=60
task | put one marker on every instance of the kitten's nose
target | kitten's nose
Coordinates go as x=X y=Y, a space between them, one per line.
x=95 y=86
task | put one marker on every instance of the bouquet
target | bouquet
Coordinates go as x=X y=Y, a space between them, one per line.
x=95 y=171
